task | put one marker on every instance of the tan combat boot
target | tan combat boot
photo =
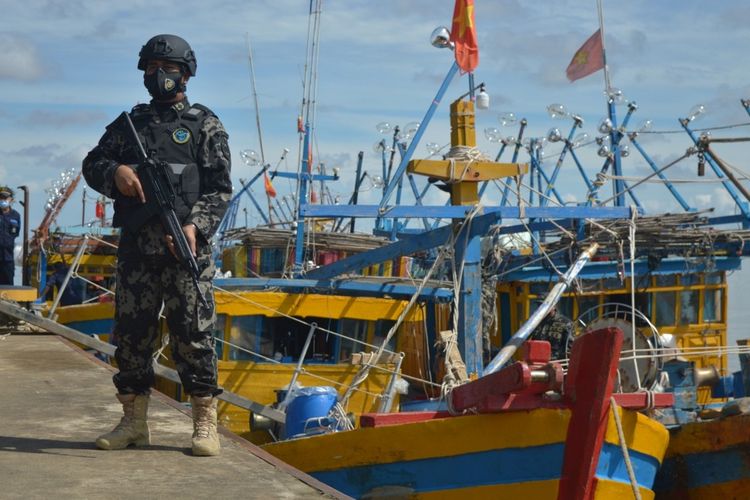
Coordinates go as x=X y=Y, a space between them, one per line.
x=132 y=429
x=205 y=437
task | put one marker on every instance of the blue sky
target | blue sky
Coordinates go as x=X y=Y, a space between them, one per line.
x=68 y=68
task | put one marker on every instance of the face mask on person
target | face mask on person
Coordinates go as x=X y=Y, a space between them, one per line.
x=4 y=203
x=162 y=85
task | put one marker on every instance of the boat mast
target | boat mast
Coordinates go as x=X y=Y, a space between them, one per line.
x=614 y=135
x=307 y=116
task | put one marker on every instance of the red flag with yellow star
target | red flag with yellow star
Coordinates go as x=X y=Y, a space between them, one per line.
x=464 y=35
x=588 y=59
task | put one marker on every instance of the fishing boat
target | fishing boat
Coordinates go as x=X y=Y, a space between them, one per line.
x=297 y=310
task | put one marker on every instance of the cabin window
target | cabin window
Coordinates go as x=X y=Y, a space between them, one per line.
x=382 y=327
x=357 y=331
x=664 y=280
x=714 y=278
x=689 y=304
x=664 y=305
x=245 y=338
x=712 y=306
x=218 y=335
x=690 y=279
x=618 y=305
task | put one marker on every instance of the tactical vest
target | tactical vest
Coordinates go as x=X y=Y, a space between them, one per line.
x=176 y=143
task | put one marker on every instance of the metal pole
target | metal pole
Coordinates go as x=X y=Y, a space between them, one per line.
x=600 y=11
x=550 y=300
x=25 y=274
x=387 y=401
x=301 y=360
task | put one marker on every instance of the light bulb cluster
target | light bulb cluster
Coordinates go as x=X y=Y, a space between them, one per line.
x=58 y=188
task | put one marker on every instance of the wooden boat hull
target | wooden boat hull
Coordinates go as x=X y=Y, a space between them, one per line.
x=506 y=455
x=707 y=460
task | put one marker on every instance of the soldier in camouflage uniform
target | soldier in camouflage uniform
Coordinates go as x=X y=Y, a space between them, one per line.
x=555 y=329
x=192 y=140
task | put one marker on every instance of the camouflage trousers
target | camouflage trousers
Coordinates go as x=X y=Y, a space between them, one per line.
x=143 y=284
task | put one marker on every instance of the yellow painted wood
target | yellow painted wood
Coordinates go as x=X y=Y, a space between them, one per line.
x=86 y=312
x=464 y=193
x=642 y=434
x=710 y=436
x=419 y=440
x=18 y=293
x=477 y=171
x=249 y=303
x=258 y=381
x=463 y=130
x=607 y=489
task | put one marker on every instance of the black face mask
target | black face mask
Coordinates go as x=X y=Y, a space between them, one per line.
x=162 y=85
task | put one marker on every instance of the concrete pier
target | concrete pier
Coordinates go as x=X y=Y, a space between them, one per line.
x=55 y=399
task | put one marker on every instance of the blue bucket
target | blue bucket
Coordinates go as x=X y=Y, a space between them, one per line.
x=307 y=412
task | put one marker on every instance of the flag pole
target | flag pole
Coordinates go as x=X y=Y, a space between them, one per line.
x=604 y=52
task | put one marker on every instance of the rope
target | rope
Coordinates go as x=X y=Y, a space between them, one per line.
x=624 y=448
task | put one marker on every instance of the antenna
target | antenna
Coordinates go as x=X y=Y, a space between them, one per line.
x=255 y=98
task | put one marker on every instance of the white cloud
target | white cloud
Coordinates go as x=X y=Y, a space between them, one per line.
x=19 y=59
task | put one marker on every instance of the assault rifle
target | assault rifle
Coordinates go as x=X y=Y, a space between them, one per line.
x=160 y=196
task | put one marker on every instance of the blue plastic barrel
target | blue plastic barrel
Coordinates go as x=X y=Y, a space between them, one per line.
x=310 y=404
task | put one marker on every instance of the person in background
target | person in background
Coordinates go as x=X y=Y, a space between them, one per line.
x=10 y=227
x=73 y=292
x=555 y=328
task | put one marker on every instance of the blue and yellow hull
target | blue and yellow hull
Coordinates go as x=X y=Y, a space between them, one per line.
x=707 y=460
x=504 y=455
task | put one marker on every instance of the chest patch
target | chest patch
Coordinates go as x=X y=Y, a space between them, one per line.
x=181 y=135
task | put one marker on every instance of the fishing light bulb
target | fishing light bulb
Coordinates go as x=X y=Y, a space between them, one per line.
x=483 y=99
x=696 y=111
x=432 y=147
x=379 y=147
x=615 y=95
x=383 y=127
x=557 y=111
x=554 y=135
x=624 y=150
x=603 y=151
x=250 y=157
x=509 y=140
x=605 y=126
x=493 y=134
x=580 y=139
x=646 y=126
x=377 y=181
x=441 y=38
x=410 y=129
x=507 y=118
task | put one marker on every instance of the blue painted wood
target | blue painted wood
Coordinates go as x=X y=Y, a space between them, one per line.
x=467 y=250
x=595 y=270
x=505 y=466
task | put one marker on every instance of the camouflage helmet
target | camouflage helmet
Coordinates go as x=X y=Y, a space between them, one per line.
x=5 y=190
x=168 y=48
